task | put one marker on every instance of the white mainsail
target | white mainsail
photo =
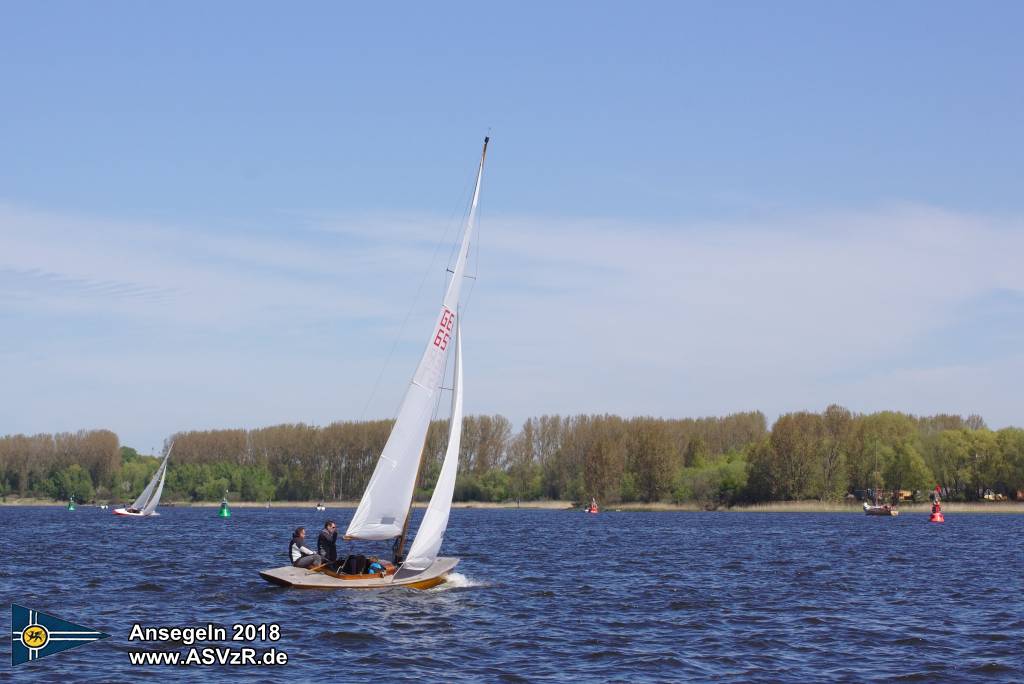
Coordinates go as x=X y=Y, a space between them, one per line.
x=428 y=538
x=155 y=500
x=143 y=502
x=385 y=504
x=140 y=502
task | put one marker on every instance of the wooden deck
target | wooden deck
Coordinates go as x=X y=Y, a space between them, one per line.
x=290 y=576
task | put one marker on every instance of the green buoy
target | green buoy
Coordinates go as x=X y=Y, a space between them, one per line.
x=71 y=503
x=224 y=511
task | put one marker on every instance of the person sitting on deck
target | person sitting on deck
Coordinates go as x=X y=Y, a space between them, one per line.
x=300 y=555
x=379 y=566
x=327 y=542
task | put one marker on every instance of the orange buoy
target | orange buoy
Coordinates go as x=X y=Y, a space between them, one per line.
x=936 y=516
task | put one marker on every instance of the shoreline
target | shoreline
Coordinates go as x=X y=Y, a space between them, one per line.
x=999 y=507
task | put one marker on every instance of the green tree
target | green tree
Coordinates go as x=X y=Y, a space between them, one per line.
x=652 y=458
x=1011 y=445
x=796 y=439
x=72 y=481
x=697 y=453
x=838 y=428
x=907 y=470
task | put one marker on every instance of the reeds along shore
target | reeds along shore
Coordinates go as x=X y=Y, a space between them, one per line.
x=723 y=462
x=954 y=508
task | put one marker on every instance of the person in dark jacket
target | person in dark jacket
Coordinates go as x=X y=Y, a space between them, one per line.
x=301 y=556
x=327 y=542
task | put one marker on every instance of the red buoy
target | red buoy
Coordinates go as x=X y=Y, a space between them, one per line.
x=935 y=496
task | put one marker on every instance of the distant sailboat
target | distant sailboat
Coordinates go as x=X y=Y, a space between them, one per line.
x=146 y=503
x=386 y=507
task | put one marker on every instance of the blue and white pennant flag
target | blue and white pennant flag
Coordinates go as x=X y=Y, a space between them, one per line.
x=35 y=635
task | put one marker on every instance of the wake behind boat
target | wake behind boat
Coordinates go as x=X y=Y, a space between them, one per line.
x=386 y=507
x=145 y=505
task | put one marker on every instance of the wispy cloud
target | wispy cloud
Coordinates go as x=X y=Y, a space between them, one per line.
x=569 y=315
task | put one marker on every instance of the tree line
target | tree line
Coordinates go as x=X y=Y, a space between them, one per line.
x=714 y=461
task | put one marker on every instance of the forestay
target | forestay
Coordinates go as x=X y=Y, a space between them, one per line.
x=435 y=520
x=385 y=503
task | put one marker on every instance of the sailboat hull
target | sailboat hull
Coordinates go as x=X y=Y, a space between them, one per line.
x=301 y=578
x=880 y=510
x=128 y=514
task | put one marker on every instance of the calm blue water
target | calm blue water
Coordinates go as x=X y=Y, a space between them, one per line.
x=547 y=596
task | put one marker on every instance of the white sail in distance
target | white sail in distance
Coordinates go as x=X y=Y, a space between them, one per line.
x=435 y=521
x=140 y=502
x=147 y=493
x=155 y=499
x=386 y=500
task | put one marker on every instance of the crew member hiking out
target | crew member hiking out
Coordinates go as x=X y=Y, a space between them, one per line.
x=301 y=556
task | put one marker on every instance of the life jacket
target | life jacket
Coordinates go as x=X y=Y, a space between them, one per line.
x=295 y=549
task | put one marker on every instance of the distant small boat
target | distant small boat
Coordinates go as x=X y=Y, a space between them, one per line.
x=225 y=510
x=145 y=505
x=71 y=503
x=592 y=508
x=321 y=507
x=884 y=509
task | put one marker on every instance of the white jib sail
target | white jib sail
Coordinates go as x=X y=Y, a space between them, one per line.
x=385 y=503
x=435 y=520
x=140 y=502
x=155 y=499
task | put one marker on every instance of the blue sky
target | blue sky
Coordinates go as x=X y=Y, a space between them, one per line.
x=220 y=215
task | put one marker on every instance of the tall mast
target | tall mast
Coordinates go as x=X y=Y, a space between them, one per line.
x=399 y=546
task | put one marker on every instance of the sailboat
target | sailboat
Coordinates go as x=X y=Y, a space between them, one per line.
x=879 y=509
x=146 y=503
x=385 y=509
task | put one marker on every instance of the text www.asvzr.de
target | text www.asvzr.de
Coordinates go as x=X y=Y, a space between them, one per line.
x=211 y=656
